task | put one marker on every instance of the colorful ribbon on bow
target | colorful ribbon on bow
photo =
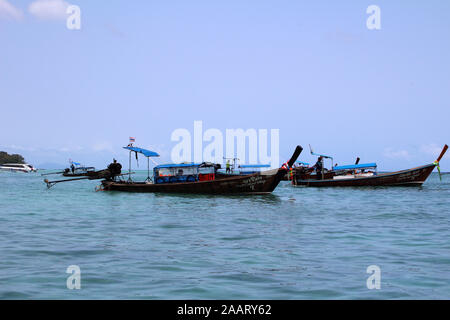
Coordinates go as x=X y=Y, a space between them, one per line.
x=436 y=163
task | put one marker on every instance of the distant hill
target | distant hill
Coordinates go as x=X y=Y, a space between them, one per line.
x=10 y=158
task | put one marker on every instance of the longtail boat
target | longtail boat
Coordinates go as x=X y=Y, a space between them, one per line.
x=199 y=180
x=79 y=172
x=358 y=175
x=75 y=170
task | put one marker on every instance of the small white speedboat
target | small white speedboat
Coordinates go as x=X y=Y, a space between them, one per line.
x=17 y=167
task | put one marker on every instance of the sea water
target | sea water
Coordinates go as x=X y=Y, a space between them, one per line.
x=297 y=243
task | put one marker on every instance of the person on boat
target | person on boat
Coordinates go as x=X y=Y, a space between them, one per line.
x=72 y=167
x=115 y=169
x=228 y=166
x=318 y=167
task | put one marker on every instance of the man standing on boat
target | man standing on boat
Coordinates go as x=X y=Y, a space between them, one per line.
x=228 y=166
x=319 y=167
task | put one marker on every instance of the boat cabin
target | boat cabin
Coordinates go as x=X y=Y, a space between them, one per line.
x=355 y=171
x=303 y=172
x=184 y=172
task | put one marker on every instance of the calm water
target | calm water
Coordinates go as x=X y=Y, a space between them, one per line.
x=298 y=243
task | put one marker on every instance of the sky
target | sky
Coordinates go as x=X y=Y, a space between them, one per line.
x=311 y=69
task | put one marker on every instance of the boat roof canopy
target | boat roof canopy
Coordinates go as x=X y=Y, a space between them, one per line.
x=254 y=166
x=145 y=152
x=356 y=166
x=178 y=165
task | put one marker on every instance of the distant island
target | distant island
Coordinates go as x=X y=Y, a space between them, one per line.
x=10 y=158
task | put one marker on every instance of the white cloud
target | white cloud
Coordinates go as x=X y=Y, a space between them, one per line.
x=49 y=9
x=71 y=149
x=396 y=154
x=17 y=148
x=102 y=146
x=8 y=11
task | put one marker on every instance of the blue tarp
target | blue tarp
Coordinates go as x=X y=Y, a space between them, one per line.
x=355 y=166
x=254 y=166
x=303 y=163
x=145 y=152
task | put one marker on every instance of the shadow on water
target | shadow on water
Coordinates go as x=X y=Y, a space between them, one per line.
x=265 y=198
x=261 y=198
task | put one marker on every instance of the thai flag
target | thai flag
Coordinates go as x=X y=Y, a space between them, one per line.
x=132 y=139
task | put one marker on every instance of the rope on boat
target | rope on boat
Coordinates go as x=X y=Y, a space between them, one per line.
x=436 y=163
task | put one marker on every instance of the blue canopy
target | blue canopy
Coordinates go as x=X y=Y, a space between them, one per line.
x=145 y=152
x=254 y=166
x=77 y=163
x=177 y=165
x=356 y=166
x=318 y=154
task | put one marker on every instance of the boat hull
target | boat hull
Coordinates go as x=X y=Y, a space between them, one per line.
x=410 y=177
x=14 y=170
x=76 y=174
x=259 y=183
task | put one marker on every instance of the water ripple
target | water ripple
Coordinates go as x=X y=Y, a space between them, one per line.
x=297 y=243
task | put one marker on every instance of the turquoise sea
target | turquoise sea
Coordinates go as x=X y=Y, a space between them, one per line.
x=297 y=243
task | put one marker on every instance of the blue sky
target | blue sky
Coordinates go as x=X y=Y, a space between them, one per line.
x=145 y=68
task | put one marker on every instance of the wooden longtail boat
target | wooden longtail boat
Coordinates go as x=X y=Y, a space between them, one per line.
x=410 y=177
x=258 y=183
x=77 y=170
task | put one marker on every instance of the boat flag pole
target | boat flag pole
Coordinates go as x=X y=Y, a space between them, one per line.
x=148 y=168
x=132 y=140
x=129 y=167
